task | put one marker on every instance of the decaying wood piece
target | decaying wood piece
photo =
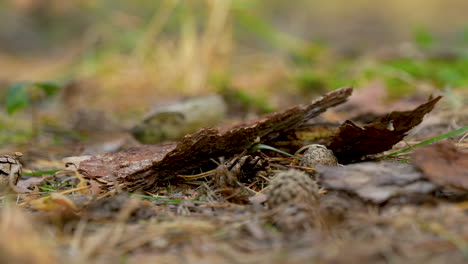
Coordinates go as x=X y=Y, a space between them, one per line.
x=375 y=182
x=146 y=166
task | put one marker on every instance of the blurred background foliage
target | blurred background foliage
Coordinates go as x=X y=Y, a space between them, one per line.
x=124 y=56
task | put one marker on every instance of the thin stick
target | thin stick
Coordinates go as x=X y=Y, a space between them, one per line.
x=196 y=176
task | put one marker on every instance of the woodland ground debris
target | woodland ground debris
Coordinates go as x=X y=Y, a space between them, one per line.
x=146 y=166
x=368 y=212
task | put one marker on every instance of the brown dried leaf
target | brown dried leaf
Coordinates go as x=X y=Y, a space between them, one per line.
x=258 y=199
x=94 y=187
x=142 y=167
x=443 y=164
x=56 y=201
x=24 y=185
x=376 y=182
x=353 y=142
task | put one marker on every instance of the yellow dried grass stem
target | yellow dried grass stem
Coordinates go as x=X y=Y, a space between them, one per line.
x=198 y=176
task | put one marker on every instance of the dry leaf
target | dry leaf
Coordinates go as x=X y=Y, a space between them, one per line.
x=258 y=199
x=94 y=188
x=443 y=164
x=56 y=201
x=24 y=185
x=353 y=142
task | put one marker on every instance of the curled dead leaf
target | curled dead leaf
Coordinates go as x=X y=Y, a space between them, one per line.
x=353 y=142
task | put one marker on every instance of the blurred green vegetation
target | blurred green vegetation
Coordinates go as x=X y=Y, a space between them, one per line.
x=126 y=28
x=14 y=131
x=135 y=53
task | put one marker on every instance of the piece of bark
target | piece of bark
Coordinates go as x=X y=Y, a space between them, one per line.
x=146 y=166
x=443 y=164
x=353 y=142
x=375 y=182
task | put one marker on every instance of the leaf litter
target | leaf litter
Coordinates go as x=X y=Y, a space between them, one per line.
x=194 y=206
x=143 y=167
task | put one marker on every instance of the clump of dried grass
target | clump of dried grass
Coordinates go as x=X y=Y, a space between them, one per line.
x=24 y=240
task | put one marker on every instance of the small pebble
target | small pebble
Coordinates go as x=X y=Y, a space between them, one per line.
x=318 y=155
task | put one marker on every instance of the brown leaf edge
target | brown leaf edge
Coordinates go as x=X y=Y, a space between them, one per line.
x=353 y=142
x=443 y=164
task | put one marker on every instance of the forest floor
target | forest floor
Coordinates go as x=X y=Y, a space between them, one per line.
x=198 y=132
x=405 y=208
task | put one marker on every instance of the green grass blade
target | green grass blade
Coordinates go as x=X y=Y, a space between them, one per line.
x=427 y=142
x=263 y=146
x=156 y=198
x=40 y=173
x=17 y=97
